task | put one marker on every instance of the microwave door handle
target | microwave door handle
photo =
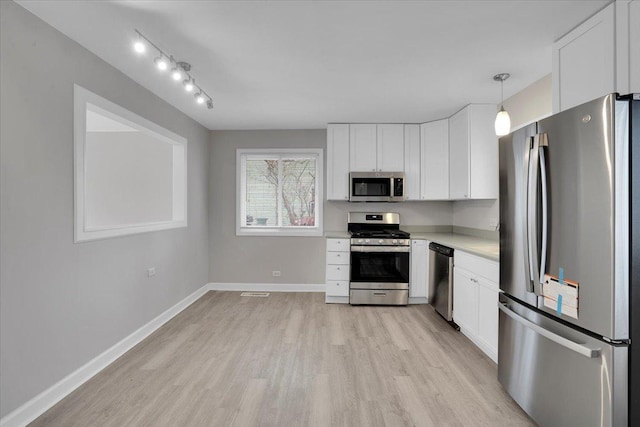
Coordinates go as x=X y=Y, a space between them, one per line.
x=532 y=214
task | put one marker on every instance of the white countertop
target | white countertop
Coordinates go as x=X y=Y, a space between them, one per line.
x=485 y=248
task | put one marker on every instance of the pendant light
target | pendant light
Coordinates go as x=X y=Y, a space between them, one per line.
x=503 y=121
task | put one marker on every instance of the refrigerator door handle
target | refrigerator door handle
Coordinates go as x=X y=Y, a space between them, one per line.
x=532 y=214
x=591 y=353
x=543 y=142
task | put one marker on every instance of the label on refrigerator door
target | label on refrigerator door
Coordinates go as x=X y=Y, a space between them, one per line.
x=561 y=295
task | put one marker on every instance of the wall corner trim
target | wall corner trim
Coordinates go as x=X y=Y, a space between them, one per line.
x=35 y=407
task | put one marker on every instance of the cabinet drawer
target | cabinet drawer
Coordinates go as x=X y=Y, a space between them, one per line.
x=480 y=266
x=337 y=288
x=338 y=272
x=338 y=257
x=337 y=245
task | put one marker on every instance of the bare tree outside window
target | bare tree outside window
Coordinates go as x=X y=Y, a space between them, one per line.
x=281 y=192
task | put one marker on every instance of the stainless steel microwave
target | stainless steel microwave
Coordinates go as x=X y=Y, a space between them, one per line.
x=376 y=186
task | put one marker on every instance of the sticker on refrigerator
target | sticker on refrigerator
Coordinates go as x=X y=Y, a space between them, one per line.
x=560 y=294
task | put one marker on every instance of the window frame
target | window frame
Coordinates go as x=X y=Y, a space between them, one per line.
x=85 y=99
x=290 y=231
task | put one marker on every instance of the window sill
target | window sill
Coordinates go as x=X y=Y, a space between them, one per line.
x=280 y=232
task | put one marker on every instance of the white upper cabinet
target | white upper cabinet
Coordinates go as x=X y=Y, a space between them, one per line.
x=390 y=148
x=584 y=62
x=473 y=153
x=363 y=148
x=412 y=162
x=377 y=147
x=459 y=155
x=434 y=160
x=598 y=57
x=338 y=162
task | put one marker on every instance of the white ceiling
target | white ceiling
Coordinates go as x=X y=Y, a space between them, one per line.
x=301 y=65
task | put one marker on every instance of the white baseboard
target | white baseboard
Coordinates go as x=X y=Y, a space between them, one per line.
x=267 y=287
x=35 y=407
x=336 y=300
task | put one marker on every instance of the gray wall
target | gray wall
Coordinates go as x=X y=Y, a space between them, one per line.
x=301 y=260
x=62 y=304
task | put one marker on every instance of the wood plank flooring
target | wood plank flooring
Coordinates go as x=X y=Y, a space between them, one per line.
x=292 y=360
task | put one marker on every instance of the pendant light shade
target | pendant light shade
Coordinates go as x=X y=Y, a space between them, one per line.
x=503 y=121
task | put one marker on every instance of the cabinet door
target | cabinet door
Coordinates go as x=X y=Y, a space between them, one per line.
x=418 y=288
x=412 y=162
x=483 y=152
x=338 y=162
x=337 y=288
x=390 y=147
x=584 y=62
x=362 y=147
x=434 y=160
x=465 y=301
x=459 y=155
x=488 y=316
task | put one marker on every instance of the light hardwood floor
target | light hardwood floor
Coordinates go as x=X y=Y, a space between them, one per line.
x=290 y=360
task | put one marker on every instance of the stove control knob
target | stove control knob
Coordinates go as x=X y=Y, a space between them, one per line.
x=395 y=241
x=381 y=241
x=367 y=240
x=360 y=240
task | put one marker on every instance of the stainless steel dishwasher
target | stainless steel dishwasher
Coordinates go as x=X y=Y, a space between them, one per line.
x=441 y=279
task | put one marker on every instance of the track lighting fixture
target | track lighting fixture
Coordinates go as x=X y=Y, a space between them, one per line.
x=179 y=70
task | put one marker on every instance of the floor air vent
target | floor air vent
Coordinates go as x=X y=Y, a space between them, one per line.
x=255 y=294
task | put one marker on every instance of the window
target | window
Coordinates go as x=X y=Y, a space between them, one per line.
x=130 y=174
x=279 y=192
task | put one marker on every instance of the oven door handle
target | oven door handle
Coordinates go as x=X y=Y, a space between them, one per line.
x=390 y=249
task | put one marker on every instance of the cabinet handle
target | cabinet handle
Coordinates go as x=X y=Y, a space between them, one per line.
x=379 y=294
x=337 y=268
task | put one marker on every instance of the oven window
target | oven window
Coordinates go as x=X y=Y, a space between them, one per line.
x=385 y=267
x=371 y=187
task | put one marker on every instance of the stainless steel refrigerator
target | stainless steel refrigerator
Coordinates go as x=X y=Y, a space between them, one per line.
x=570 y=265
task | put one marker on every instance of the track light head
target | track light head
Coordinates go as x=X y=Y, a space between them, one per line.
x=176 y=74
x=139 y=46
x=161 y=62
x=199 y=98
x=188 y=85
x=209 y=104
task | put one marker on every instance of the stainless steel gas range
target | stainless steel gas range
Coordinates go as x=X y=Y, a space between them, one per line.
x=380 y=258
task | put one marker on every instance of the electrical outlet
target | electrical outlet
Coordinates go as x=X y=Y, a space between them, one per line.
x=151 y=271
x=275 y=273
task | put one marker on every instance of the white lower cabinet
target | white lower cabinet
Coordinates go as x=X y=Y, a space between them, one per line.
x=337 y=270
x=475 y=300
x=419 y=281
x=465 y=300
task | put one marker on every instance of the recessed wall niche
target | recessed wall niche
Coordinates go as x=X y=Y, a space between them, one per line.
x=130 y=173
